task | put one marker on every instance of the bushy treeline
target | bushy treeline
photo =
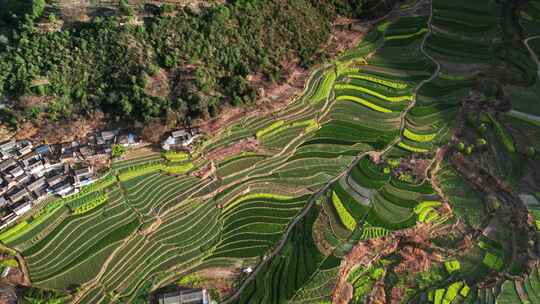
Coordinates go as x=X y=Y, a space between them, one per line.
x=14 y=10
x=206 y=56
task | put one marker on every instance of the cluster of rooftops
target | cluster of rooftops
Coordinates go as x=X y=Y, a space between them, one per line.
x=29 y=173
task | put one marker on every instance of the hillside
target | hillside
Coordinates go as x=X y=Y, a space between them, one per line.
x=148 y=63
x=405 y=171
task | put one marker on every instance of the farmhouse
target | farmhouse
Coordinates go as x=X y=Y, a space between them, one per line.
x=17 y=171
x=87 y=151
x=22 y=179
x=8 y=146
x=127 y=140
x=7 y=164
x=55 y=180
x=83 y=174
x=37 y=184
x=180 y=138
x=67 y=157
x=4 y=155
x=43 y=149
x=24 y=150
x=64 y=189
x=23 y=208
x=183 y=296
x=8 y=219
x=18 y=195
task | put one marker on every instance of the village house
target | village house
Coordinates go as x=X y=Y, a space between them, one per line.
x=51 y=163
x=24 y=148
x=33 y=164
x=23 y=179
x=82 y=174
x=18 y=195
x=43 y=149
x=8 y=219
x=8 y=146
x=127 y=140
x=66 y=147
x=16 y=171
x=40 y=193
x=36 y=168
x=183 y=296
x=87 y=152
x=68 y=157
x=6 y=164
x=29 y=159
x=106 y=137
x=37 y=184
x=4 y=155
x=10 y=182
x=22 y=208
x=64 y=189
x=180 y=138
x=55 y=180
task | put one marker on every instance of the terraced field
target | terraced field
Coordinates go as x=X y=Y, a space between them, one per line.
x=406 y=169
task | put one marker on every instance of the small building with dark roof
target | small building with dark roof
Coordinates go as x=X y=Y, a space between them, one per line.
x=18 y=195
x=55 y=180
x=37 y=184
x=22 y=208
x=24 y=150
x=8 y=145
x=87 y=151
x=6 y=164
x=43 y=149
x=16 y=171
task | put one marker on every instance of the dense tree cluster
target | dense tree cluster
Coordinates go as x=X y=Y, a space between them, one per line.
x=207 y=55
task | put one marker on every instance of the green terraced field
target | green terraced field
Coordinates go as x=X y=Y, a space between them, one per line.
x=403 y=163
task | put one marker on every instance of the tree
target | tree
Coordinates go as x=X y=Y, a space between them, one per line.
x=118 y=150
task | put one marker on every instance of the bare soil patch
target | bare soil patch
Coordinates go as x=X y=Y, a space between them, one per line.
x=412 y=245
x=245 y=145
x=158 y=84
x=48 y=131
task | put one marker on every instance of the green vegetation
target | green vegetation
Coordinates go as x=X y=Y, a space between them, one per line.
x=139 y=170
x=87 y=206
x=417 y=145
x=98 y=66
x=118 y=150
x=344 y=215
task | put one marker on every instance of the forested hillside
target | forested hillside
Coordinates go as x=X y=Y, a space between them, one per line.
x=202 y=57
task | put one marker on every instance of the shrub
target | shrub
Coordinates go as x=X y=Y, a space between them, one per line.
x=118 y=150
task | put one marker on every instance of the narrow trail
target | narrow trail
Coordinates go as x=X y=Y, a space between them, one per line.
x=525 y=116
x=346 y=171
x=533 y=54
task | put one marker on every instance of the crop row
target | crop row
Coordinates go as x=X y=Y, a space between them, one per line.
x=285 y=274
